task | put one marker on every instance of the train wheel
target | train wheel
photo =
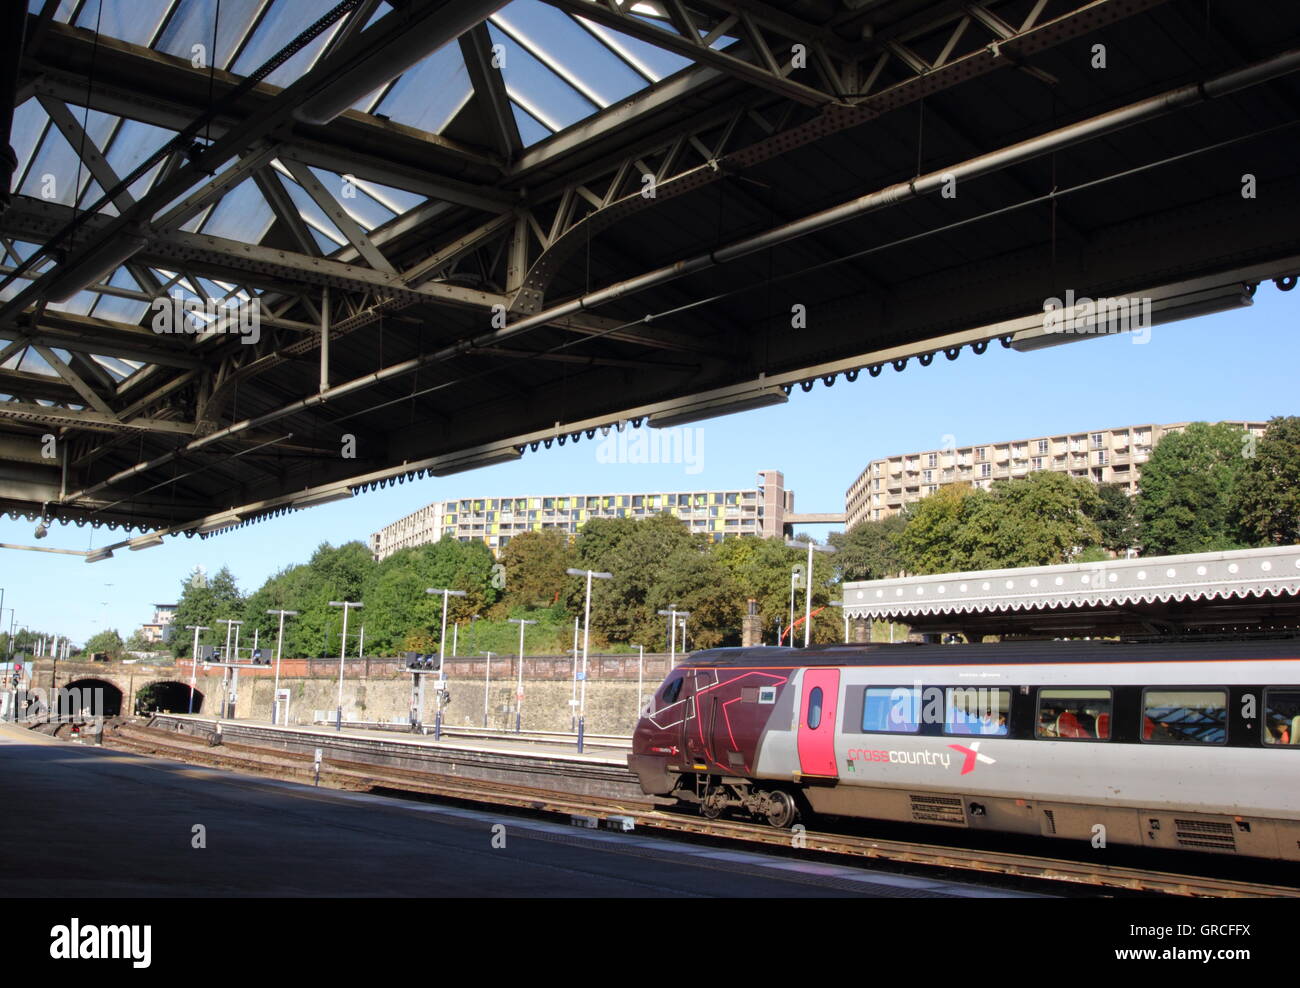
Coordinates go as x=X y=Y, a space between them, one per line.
x=781 y=810
x=714 y=803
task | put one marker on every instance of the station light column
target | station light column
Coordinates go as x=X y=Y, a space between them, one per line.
x=673 y=614
x=442 y=654
x=279 y=650
x=347 y=605
x=812 y=547
x=519 y=677
x=586 y=643
x=194 y=660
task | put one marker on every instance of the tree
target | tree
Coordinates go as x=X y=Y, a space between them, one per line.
x=869 y=550
x=761 y=570
x=1116 y=518
x=1189 y=490
x=106 y=641
x=203 y=601
x=138 y=643
x=533 y=565
x=1268 y=493
x=1041 y=519
x=932 y=526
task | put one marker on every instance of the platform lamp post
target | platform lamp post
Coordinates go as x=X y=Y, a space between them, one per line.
x=794 y=582
x=347 y=605
x=586 y=642
x=279 y=650
x=230 y=623
x=442 y=654
x=194 y=660
x=812 y=547
x=673 y=614
x=487 y=688
x=519 y=676
x=840 y=604
x=640 y=676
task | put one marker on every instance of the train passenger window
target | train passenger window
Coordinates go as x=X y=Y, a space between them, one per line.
x=1185 y=716
x=895 y=709
x=976 y=710
x=673 y=690
x=815 y=708
x=1074 y=714
x=1282 y=717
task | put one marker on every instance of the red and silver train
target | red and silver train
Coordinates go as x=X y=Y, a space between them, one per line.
x=1180 y=745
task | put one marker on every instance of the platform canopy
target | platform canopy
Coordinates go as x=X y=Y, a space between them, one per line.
x=476 y=228
x=1244 y=591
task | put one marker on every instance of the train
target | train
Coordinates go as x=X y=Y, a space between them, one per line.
x=1189 y=745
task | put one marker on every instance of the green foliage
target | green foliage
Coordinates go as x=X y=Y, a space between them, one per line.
x=533 y=565
x=933 y=525
x=106 y=641
x=869 y=550
x=1268 y=491
x=1038 y=520
x=1116 y=517
x=203 y=601
x=1189 y=490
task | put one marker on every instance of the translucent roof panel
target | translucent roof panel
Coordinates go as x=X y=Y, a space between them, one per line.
x=126 y=310
x=649 y=60
x=241 y=214
x=136 y=21
x=537 y=89
x=530 y=131
x=429 y=95
x=193 y=22
x=361 y=207
x=284 y=21
x=29 y=123
x=554 y=36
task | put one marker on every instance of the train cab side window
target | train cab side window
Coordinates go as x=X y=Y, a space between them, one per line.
x=815 y=708
x=1185 y=716
x=673 y=690
x=1077 y=715
x=891 y=710
x=976 y=710
x=1282 y=717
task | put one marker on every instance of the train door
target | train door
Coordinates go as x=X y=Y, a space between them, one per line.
x=817 y=709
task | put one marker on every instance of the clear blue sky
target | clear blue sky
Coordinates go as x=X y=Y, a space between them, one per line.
x=1239 y=365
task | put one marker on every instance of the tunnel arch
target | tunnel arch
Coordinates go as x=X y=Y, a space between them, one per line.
x=167 y=696
x=79 y=695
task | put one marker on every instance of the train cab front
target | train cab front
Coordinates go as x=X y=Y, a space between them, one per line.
x=656 y=742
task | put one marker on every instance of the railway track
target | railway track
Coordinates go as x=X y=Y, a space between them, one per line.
x=649 y=814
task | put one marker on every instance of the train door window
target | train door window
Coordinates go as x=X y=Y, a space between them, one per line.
x=673 y=690
x=891 y=709
x=976 y=710
x=815 y=708
x=1185 y=716
x=1282 y=717
x=1078 y=715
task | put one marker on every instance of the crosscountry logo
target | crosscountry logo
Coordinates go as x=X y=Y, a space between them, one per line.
x=972 y=756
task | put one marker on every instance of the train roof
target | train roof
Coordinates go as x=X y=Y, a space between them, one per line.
x=998 y=653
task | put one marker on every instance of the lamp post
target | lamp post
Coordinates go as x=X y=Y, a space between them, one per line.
x=840 y=604
x=487 y=687
x=640 y=676
x=573 y=703
x=194 y=660
x=812 y=547
x=673 y=614
x=225 y=669
x=794 y=582
x=586 y=642
x=279 y=648
x=347 y=605
x=519 y=677
x=442 y=654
